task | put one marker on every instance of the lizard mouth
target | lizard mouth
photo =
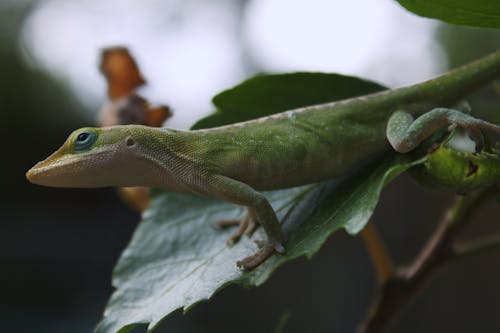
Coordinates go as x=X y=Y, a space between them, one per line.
x=43 y=167
x=60 y=170
x=48 y=171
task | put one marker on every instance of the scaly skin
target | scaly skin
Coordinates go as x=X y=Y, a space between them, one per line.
x=288 y=149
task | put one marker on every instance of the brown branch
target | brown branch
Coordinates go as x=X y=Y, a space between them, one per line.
x=399 y=290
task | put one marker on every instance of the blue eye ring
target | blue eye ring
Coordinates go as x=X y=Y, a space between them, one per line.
x=84 y=141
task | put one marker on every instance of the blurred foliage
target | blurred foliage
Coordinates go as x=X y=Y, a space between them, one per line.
x=464 y=44
x=34 y=107
x=477 y=13
x=55 y=249
x=268 y=94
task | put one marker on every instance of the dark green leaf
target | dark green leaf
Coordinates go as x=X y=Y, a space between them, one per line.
x=477 y=13
x=267 y=94
x=489 y=113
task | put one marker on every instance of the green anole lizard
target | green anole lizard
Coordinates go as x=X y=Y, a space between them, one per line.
x=292 y=148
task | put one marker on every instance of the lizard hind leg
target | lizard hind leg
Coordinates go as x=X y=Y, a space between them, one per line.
x=405 y=133
x=246 y=225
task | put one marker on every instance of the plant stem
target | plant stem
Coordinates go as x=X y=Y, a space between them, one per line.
x=382 y=262
x=473 y=248
x=399 y=289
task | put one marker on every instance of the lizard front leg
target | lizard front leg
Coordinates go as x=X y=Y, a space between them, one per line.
x=405 y=134
x=242 y=194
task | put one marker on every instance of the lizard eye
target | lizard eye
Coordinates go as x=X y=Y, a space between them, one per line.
x=84 y=140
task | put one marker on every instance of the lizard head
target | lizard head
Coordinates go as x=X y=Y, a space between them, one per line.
x=90 y=157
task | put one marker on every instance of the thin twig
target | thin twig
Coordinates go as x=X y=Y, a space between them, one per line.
x=476 y=247
x=283 y=320
x=402 y=286
x=382 y=262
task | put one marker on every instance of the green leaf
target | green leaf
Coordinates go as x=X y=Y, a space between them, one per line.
x=448 y=169
x=263 y=95
x=477 y=13
x=176 y=258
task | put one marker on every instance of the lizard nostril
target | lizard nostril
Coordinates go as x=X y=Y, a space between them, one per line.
x=130 y=142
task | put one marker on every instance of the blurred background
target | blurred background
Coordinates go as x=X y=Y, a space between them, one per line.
x=58 y=247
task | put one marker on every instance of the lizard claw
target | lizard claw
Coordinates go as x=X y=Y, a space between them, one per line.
x=247 y=224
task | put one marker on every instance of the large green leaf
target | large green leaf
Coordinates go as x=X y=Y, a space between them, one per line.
x=267 y=94
x=176 y=258
x=476 y=13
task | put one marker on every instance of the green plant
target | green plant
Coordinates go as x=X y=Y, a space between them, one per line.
x=175 y=259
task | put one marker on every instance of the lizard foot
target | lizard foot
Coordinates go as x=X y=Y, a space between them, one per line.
x=256 y=259
x=247 y=224
x=266 y=249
